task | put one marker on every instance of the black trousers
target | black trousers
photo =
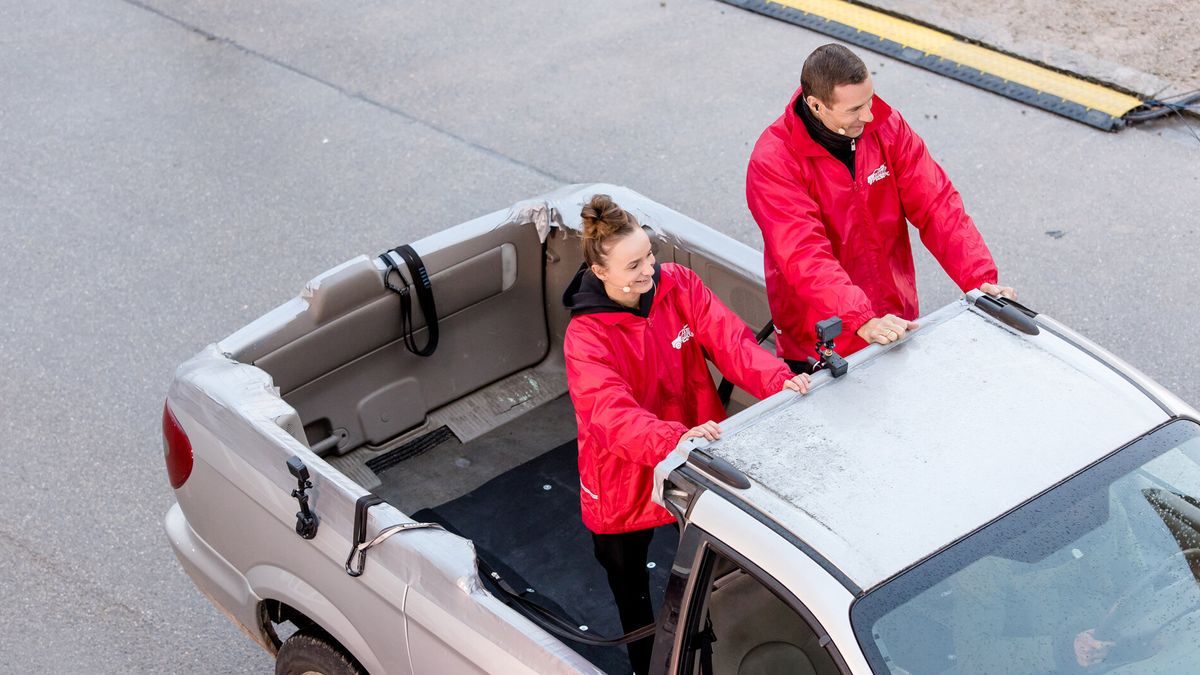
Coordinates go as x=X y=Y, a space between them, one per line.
x=624 y=559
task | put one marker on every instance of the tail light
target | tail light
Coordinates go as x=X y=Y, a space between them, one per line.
x=177 y=449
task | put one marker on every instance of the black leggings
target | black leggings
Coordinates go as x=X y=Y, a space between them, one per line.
x=624 y=558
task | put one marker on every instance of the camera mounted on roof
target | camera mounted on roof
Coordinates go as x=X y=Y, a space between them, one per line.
x=827 y=359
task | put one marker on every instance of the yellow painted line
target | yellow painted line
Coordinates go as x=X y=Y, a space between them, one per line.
x=947 y=47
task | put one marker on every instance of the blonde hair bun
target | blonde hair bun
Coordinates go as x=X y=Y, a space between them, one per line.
x=603 y=220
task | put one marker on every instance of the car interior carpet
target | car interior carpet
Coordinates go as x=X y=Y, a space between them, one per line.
x=526 y=525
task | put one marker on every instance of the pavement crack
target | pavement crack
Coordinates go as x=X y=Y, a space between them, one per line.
x=83 y=586
x=355 y=95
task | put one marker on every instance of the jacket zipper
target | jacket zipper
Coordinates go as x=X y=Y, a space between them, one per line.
x=854 y=149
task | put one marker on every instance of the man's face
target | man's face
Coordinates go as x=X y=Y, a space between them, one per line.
x=850 y=109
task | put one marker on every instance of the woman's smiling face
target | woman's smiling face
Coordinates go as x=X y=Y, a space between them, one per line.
x=629 y=262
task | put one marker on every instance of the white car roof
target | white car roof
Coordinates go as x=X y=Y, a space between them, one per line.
x=921 y=443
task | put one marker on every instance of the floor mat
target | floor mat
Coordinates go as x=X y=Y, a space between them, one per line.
x=526 y=523
x=452 y=468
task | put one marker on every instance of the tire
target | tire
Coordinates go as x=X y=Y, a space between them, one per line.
x=313 y=651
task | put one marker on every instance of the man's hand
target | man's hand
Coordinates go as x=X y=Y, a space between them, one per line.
x=885 y=329
x=708 y=431
x=1002 y=291
x=798 y=383
x=1088 y=650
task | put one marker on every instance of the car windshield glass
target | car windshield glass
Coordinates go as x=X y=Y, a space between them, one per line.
x=1097 y=575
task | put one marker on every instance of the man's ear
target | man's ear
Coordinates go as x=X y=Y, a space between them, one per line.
x=812 y=102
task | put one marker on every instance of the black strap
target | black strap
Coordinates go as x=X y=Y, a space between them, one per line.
x=550 y=620
x=424 y=290
x=706 y=639
x=725 y=390
x=361 y=506
x=535 y=611
x=360 y=545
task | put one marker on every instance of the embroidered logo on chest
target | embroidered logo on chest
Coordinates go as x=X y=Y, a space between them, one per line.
x=685 y=334
x=878 y=174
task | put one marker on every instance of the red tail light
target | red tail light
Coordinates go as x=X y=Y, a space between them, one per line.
x=177 y=449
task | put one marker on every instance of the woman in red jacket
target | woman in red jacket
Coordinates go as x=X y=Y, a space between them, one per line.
x=636 y=352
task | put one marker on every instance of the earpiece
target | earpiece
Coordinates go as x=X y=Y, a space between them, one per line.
x=625 y=289
x=816 y=106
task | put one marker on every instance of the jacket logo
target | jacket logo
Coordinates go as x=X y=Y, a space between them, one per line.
x=684 y=335
x=878 y=174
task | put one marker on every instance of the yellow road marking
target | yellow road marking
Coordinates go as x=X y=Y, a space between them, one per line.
x=937 y=43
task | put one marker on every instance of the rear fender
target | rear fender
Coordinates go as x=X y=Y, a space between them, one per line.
x=273 y=583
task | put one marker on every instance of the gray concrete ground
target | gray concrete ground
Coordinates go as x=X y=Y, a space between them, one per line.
x=172 y=170
x=1149 y=46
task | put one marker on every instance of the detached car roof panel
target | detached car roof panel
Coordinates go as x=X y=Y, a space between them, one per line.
x=923 y=443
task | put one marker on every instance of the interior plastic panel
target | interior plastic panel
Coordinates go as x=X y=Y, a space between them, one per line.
x=352 y=375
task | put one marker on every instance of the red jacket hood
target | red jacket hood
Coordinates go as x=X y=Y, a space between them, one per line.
x=579 y=301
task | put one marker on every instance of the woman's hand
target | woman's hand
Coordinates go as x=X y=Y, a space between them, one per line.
x=708 y=431
x=798 y=383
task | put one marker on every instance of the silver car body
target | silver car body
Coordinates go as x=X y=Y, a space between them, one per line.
x=921 y=443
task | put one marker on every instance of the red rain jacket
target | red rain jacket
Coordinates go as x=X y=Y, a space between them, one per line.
x=639 y=382
x=839 y=246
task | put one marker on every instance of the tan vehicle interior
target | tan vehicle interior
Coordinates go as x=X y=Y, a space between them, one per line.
x=487 y=413
x=361 y=394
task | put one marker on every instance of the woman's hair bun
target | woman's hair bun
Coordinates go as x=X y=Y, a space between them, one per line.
x=603 y=219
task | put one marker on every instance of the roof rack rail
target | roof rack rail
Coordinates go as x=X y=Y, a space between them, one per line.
x=719 y=468
x=1008 y=312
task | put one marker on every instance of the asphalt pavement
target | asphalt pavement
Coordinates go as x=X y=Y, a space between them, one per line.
x=171 y=171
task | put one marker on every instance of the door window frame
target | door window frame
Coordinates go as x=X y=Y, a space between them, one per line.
x=684 y=601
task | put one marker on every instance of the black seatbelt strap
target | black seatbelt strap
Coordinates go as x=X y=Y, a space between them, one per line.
x=424 y=291
x=725 y=390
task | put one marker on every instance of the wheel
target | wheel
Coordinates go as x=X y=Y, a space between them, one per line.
x=313 y=652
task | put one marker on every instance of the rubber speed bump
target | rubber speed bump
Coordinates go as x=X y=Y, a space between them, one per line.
x=943 y=53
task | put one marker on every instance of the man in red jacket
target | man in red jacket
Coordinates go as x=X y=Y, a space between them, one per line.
x=831 y=184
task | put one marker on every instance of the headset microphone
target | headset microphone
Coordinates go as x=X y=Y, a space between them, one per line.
x=841 y=131
x=626 y=289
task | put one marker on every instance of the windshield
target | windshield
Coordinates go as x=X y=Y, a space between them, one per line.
x=1097 y=575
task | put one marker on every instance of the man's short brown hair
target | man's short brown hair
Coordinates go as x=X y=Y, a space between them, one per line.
x=829 y=66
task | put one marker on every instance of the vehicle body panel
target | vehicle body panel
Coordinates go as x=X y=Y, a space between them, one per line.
x=224 y=405
x=962 y=421
x=814 y=587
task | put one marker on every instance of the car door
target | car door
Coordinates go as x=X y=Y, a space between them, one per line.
x=742 y=599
